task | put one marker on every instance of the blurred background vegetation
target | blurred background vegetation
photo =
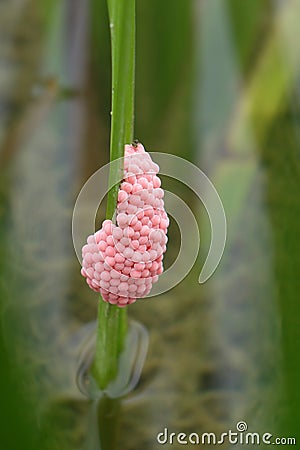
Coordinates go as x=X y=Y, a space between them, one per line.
x=217 y=82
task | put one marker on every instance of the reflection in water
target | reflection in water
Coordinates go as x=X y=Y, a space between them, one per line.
x=131 y=364
x=106 y=406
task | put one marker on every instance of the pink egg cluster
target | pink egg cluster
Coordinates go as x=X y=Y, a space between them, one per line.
x=123 y=260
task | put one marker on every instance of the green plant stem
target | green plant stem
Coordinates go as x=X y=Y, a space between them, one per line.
x=108 y=413
x=112 y=320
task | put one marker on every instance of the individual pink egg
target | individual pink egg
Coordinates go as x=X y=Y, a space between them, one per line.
x=91 y=240
x=132 y=209
x=139 y=266
x=143 y=240
x=110 y=251
x=110 y=261
x=127 y=187
x=102 y=246
x=110 y=240
x=117 y=233
x=122 y=207
x=132 y=288
x=119 y=258
x=105 y=276
x=137 y=256
x=107 y=226
x=156 y=182
x=127 y=270
x=128 y=232
x=133 y=221
x=122 y=220
x=137 y=187
x=120 y=248
x=122 y=196
x=115 y=274
x=128 y=253
x=135 y=274
x=155 y=220
x=135 y=244
x=145 y=230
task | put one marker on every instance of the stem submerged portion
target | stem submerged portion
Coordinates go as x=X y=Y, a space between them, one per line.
x=112 y=320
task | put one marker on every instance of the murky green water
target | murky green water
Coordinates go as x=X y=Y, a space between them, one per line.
x=216 y=93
